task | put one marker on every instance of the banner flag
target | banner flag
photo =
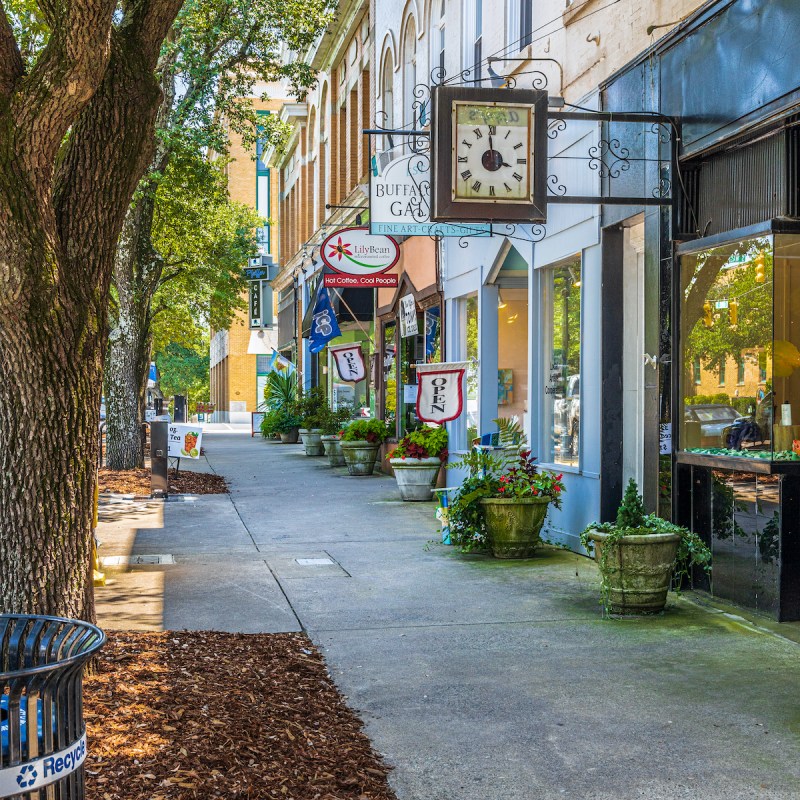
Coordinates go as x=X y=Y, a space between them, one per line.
x=440 y=391
x=324 y=325
x=350 y=362
x=280 y=363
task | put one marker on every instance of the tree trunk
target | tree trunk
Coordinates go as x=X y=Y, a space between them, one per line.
x=62 y=204
x=136 y=269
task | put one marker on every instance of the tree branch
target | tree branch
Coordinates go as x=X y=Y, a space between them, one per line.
x=11 y=66
x=63 y=80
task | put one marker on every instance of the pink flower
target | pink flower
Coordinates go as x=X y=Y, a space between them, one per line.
x=339 y=249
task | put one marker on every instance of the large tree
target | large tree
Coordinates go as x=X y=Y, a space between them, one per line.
x=76 y=136
x=218 y=51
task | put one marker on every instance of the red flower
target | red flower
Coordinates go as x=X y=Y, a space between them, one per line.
x=339 y=249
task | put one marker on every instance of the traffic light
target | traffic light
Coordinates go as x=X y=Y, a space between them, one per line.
x=761 y=275
x=733 y=312
x=708 y=314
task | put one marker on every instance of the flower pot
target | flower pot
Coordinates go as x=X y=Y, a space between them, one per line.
x=290 y=437
x=360 y=456
x=312 y=441
x=513 y=525
x=416 y=477
x=333 y=450
x=636 y=570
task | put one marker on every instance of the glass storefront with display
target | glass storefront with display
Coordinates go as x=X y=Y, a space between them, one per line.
x=740 y=352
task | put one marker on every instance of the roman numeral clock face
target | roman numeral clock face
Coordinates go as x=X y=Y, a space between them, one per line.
x=492 y=153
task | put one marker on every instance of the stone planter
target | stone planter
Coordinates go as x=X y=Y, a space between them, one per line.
x=360 y=456
x=513 y=526
x=290 y=437
x=312 y=441
x=333 y=449
x=637 y=570
x=416 y=477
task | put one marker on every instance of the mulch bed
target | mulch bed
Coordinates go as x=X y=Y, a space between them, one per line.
x=137 y=481
x=218 y=715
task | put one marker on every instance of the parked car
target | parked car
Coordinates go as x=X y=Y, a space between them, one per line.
x=567 y=418
x=713 y=419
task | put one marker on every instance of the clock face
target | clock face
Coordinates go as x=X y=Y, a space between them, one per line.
x=492 y=152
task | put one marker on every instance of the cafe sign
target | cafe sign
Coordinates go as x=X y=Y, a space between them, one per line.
x=359 y=258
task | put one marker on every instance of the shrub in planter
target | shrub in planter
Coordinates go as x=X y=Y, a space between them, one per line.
x=331 y=427
x=502 y=505
x=360 y=443
x=312 y=408
x=416 y=462
x=640 y=555
x=281 y=421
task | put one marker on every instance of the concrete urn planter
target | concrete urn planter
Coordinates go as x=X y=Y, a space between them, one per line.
x=360 y=456
x=290 y=437
x=333 y=449
x=637 y=570
x=312 y=441
x=416 y=477
x=513 y=526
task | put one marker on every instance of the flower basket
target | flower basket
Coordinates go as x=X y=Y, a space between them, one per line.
x=636 y=570
x=360 y=456
x=333 y=449
x=312 y=441
x=416 y=477
x=513 y=526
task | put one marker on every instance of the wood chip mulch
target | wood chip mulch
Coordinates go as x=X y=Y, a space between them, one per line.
x=174 y=716
x=137 y=482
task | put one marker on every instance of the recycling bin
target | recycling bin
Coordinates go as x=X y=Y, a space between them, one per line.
x=42 y=733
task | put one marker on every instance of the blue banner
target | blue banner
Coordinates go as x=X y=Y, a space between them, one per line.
x=324 y=325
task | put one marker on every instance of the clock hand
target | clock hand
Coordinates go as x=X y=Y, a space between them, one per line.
x=491 y=146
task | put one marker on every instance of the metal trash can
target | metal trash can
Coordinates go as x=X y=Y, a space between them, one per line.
x=42 y=735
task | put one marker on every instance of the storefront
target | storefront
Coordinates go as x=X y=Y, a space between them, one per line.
x=409 y=325
x=721 y=269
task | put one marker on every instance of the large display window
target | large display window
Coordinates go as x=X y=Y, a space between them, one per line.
x=562 y=379
x=740 y=350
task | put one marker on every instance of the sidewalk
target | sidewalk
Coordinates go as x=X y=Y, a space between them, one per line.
x=478 y=679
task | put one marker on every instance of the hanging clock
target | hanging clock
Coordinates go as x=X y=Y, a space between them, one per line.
x=489 y=155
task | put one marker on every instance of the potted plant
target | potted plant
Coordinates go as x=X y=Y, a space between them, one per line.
x=281 y=417
x=331 y=434
x=502 y=504
x=312 y=408
x=283 y=422
x=639 y=555
x=416 y=462
x=360 y=443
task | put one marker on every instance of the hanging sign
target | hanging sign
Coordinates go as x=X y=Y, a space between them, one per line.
x=440 y=393
x=350 y=362
x=400 y=198
x=184 y=441
x=359 y=259
x=255 y=304
x=408 y=316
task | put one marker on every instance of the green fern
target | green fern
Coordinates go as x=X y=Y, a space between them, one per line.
x=510 y=433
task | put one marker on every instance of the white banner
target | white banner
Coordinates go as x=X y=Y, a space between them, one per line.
x=408 y=316
x=440 y=396
x=42 y=771
x=184 y=441
x=350 y=362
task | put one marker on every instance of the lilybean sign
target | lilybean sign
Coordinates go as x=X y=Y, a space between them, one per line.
x=359 y=259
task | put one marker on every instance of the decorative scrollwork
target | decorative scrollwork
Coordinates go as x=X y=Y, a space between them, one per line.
x=554 y=186
x=539 y=80
x=556 y=126
x=664 y=188
x=609 y=158
x=418 y=170
x=662 y=130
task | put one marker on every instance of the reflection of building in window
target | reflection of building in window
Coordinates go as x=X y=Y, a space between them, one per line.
x=563 y=367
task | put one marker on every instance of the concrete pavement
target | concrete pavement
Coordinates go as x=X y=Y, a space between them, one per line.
x=476 y=678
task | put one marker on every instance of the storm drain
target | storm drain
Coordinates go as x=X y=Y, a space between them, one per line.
x=127 y=561
x=314 y=562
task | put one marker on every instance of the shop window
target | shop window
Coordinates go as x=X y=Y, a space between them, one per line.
x=698 y=377
x=412 y=352
x=562 y=379
x=389 y=373
x=471 y=338
x=739 y=301
x=722 y=372
x=433 y=335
